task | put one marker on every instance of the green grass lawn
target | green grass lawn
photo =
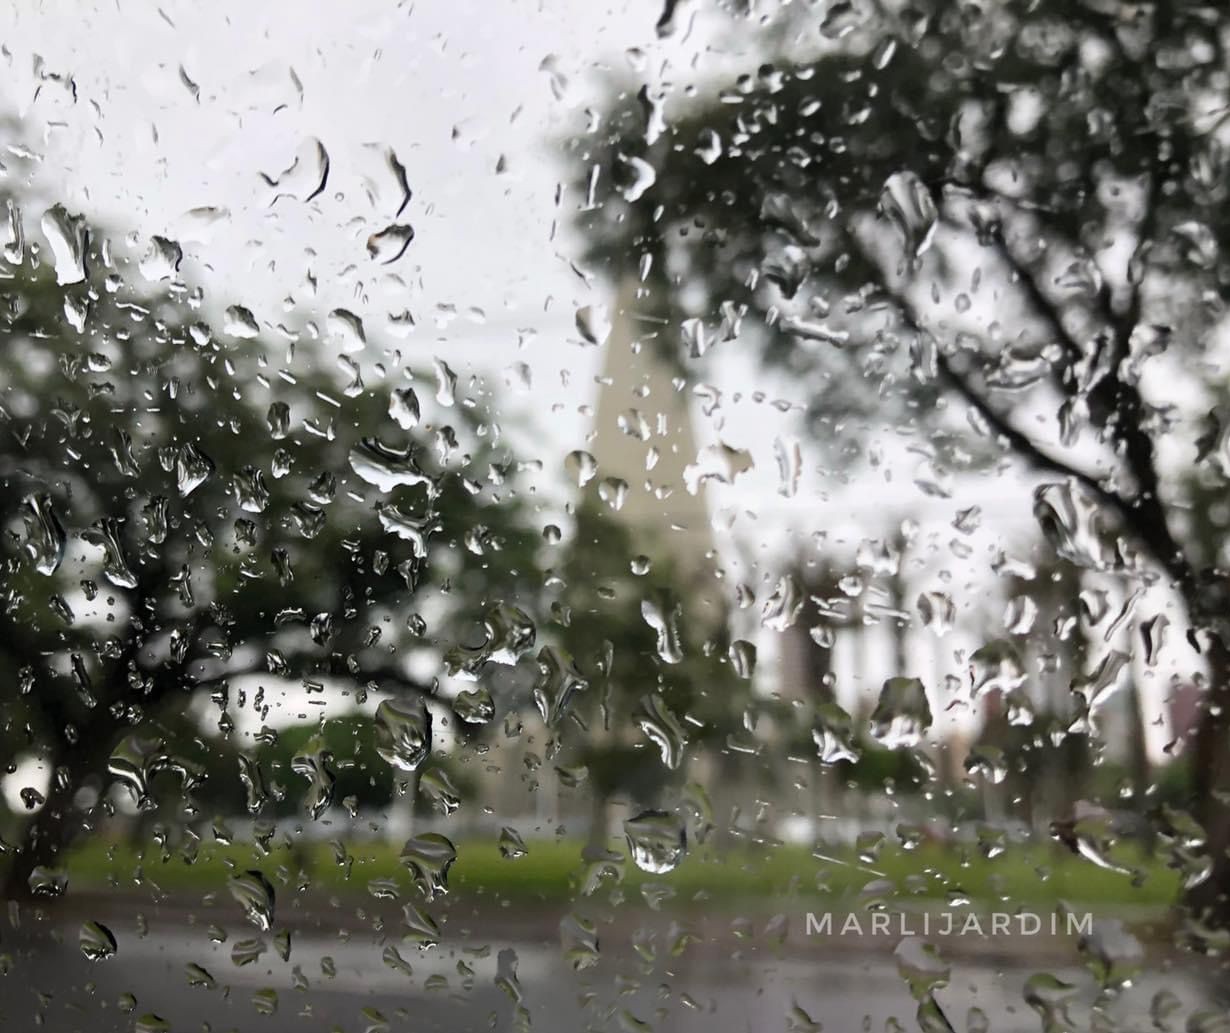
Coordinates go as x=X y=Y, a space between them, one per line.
x=553 y=871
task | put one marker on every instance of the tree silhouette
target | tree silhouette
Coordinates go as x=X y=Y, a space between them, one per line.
x=1002 y=227
x=189 y=503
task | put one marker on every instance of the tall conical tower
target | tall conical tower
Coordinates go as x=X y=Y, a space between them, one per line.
x=643 y=435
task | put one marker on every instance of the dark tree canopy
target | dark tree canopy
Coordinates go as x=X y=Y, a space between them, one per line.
x=189 y=500
x=1001 y=227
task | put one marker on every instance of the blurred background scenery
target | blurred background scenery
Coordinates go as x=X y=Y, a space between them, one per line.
x=509 y=508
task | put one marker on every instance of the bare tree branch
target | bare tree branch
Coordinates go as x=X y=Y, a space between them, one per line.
x=1018 y=441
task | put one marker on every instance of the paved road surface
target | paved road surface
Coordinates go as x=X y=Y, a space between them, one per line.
x=454 y=989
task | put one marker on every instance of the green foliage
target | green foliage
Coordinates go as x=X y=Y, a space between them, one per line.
x=247 y=556
x=619 y=652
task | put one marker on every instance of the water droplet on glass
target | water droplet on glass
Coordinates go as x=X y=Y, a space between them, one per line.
x=265 y=1001
x=428 y=858
x=314 y=763
x=438 y=790
x=199 y=976
x=510 y=844
x=637 y=177
x=346 y=331
x=305 y=177
x=192 y=469
x=906 y=202
x=386 y=467
x=68 y=236
x=742 y=656
x=162 y=260
x=557 y=682
x=389 y=244
x=581 y=467
x=404 y=408
x=721 y=463
x=97 y=941
x=508 y=635
x=446 y=383
x=421 y=928
x=657 y=841
x=45 y=881
x=403 y=733
x=1070 y=521
x=579 y=941
x=921 y=966
x=593 y=324
x=661 y=612
x=902 y=715
x=663 y=729
x=255 y=895
x=240 y=323
x=474 y=706
x=782 y=608
x=45 y=537
x=833 y=735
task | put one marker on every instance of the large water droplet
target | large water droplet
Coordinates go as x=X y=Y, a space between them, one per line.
x=579 y=941
x=474 y=706
x=386 y=467
x=253 y=780
x=1070 y=522
x=403 y=733
x=255 y=895
x=250 y=491
x=192 y=469
x=68 y=236
x=240 y=323
x=105 y=534
x=404 y=408
x=346 y=331
x=782 y=608
x=389 y=244
x=657 y=841
x=833 y=735
x=46 y=881
x=97 y=941
x=663 y=729
x=557 y=682
x=638 y=177
x=721 y=463
x=581 y=467
x=907 y=204
x=593 y=323
x=138 y=758
x=508 y=634
x=315 y=764
x=162 y=260
x=661 y=612
x=45 y=537
x=305 y=177
x=428 y=858
x=902 y=715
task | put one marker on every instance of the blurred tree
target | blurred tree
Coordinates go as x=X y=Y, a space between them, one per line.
x=1001 y=226
x=660 y=686
x=193 y=510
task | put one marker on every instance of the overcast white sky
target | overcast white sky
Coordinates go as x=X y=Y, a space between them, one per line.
x=468 y=93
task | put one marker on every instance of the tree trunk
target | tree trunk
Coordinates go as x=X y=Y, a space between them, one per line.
x=1210 y=901
x=595 y=842
x=1138 y=762
x=47 y=833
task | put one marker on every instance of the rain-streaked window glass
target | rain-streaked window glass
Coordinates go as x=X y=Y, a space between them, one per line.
x=545 y=516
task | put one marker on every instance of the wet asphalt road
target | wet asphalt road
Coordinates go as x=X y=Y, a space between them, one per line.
x=340 y=980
